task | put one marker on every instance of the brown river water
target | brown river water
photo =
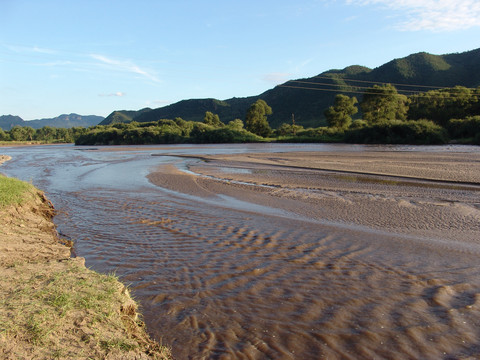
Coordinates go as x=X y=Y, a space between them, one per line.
x=226 y=278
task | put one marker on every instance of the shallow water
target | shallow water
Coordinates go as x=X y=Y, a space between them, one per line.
x=226 y=279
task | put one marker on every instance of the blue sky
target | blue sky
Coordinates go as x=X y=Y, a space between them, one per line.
x=93 y=57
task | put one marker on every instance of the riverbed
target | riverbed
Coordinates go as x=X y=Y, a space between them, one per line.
x=280 y=251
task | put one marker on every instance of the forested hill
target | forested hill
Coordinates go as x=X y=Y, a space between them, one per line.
x=308 y=98
x=62 y=121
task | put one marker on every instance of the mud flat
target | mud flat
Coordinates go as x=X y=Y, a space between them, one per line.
x=364 y=255
x=51 y=305
x=427 y=194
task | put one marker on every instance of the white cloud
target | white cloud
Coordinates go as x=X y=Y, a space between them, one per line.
x=432 y=15
x=117 y=94
x=56 y=63
x=43 y=50
x=29 y=49
x=126 y=66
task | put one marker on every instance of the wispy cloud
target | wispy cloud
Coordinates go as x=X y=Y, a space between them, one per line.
x=116 y=94
x=126 y=66
x=29 y=49
x=432 y=15
x=43 y=50
x=57 y=63
x=80 y=62
x=276 y=77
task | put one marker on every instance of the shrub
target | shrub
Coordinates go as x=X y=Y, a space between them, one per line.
x=468 y=128
x=321 y=134
x=222 y=135
x=399 y=132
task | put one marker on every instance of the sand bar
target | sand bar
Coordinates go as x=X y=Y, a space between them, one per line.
x=421 y=193
x=4 y=158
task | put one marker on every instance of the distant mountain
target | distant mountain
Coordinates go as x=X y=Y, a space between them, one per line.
x=62 y=121
x=122 y=116
x=9 y=121
x=308 y=98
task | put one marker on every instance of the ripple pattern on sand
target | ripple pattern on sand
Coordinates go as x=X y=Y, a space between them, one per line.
x=229 y=284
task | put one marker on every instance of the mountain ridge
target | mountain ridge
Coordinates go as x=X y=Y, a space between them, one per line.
x=61 y=121
x=307 y=98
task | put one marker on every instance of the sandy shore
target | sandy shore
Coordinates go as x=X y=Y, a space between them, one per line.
x=413 y=193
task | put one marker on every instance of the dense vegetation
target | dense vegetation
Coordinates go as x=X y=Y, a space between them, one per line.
x=46 y=134
x=165 y=131
x=432 y=117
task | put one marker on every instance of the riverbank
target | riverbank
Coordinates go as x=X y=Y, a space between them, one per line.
x=51 y=305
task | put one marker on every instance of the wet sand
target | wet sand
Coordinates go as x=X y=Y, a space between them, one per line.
x=424 y=194
x=4 y=158
x=376 y=255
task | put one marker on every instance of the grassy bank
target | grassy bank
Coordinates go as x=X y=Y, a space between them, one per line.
x=52 y=306
x=22 y=143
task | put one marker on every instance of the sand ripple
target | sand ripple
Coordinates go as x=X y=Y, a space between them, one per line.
x=232 y=284
x=332 y=255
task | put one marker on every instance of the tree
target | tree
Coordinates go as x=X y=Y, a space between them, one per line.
x=288 y=129
x=18 y=133
x=212 y=119
x=3 y=135
x=180 y=122
x=62 y=135
x=236 y=124
x=340 y=114
x=46 y=133
x=383 y=103
x=444 y=104
x=29 y=132
x=256 y=119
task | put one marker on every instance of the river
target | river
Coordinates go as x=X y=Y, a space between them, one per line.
x=226 y=278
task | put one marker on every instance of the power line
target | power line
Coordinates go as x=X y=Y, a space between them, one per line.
x=382 y=83
x=340 y=88
x=341 y=85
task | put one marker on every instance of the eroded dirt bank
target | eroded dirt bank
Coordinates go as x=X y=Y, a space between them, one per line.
x=51 y=305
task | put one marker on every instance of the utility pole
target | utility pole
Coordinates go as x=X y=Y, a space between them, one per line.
x=293 y=124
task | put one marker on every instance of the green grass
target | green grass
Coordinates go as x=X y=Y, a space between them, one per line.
x=13 y=191
x=45 y=304
x=14 y=142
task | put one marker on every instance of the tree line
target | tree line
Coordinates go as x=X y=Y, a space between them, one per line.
x=255 y=128
x=46 y=134
x=382 y=116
